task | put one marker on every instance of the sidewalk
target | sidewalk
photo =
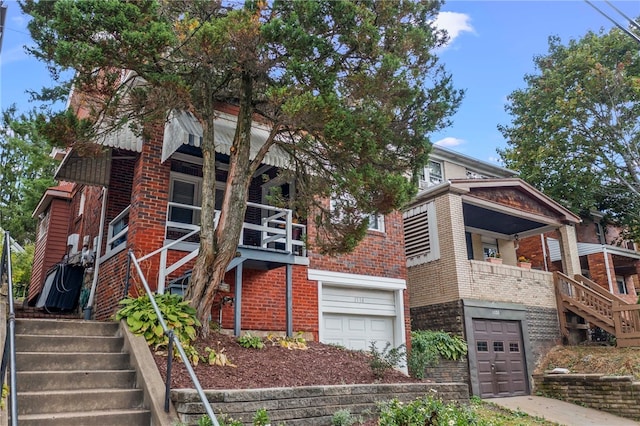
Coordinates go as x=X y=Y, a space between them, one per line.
x=563 y=413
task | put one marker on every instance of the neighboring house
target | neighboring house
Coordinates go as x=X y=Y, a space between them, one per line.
x=152 y=203
x=466 y=212
x=606 y=257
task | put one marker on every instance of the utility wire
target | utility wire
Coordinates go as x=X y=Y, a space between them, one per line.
x=616 y=23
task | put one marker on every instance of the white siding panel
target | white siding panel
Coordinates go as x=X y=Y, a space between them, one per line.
x=358 y=301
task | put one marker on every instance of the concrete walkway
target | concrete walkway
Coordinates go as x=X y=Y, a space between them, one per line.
x=561 y=412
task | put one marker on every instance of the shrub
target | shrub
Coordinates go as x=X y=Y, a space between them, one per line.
x=428 y=347
x=344 y=418
x=250 y=342
x=425 y=411
x=261 y=418
x=178 y=316
x=386 y=359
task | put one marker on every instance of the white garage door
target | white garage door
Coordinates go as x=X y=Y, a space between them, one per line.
x=355 y=317
x=357 y=331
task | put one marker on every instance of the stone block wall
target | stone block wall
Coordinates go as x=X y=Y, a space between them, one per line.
x=310 y=405
x=544 y=330
x=615 y=394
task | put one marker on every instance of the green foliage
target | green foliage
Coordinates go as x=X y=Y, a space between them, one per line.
x=21 y=268
x=425 y=411
x=344 y=418
x=261 y=418
x=573 y=131
x=178 y=315
x=428 y=347
x=350 y=90
x=26 y=170
x=386 y=359
x=249 y=341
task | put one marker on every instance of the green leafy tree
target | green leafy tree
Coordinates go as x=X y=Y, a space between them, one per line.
x=21 y=268
x=350 y=91
x=26 y=170
x=575 y=132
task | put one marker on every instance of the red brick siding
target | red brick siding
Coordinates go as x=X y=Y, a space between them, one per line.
x=263 y=301
x=111 y=286
x=531 y=248
x=379 y=254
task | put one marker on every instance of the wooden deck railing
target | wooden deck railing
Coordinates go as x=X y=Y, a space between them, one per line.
x=587 y=299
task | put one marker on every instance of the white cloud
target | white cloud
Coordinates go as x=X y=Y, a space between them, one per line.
x=454 y=23
x=449 y=141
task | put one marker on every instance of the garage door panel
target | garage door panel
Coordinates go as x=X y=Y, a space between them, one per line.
x=357 y=332
x=500 y=361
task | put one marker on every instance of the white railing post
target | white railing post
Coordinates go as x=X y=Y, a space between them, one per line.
x=161 y=273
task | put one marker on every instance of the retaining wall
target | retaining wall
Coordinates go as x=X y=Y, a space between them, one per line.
x=617 y=395
x=309 y=405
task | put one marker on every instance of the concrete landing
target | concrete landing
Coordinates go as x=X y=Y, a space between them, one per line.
x=563 y=413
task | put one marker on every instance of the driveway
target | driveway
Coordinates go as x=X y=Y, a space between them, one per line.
x=561 y=412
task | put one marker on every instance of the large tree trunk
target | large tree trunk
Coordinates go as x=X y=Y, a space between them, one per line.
x=218 y=245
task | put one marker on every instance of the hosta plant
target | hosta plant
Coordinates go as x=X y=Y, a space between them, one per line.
x=178 y=316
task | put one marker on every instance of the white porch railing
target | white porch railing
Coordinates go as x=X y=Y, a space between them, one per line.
x=275 y=230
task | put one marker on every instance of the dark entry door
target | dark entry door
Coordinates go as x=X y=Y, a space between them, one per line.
x=500 y=357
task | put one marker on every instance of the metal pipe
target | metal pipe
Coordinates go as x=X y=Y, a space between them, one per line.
x=183 y=355
x=167 y=390
x=13 y=387
x=88 y=311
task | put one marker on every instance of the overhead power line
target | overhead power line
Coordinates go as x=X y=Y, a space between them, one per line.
x=629 y=21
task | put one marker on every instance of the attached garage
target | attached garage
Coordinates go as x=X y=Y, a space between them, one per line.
x=356 y=310
x=500 y=356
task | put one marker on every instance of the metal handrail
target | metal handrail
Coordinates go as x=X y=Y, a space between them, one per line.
x=178 y=345
x=10 y=348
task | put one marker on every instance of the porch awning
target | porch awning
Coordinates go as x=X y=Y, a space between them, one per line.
x=182 y=128
x=590 y=248
x=94 y=170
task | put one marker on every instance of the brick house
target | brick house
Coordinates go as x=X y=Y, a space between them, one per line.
x=466 y=212
x=606 y=256
x=151 y=201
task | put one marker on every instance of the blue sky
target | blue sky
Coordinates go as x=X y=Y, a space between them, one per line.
x=492 y=48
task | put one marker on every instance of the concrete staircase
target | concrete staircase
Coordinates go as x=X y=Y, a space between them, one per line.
x=73 y=372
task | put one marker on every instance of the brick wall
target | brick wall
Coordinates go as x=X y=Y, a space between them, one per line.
x=309 y=405
x=439 y=281
x=379 y=254
x=447 y=317
x=615 y=394
x=504 y=283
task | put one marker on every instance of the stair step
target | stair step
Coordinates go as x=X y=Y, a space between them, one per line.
x=66 y=327
x=75 y=380
x=48 y=343
x=87 y=399
x=134 y=417
x=52 y=361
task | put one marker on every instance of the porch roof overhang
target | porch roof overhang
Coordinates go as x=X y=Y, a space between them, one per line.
x=585 y=249
x=182 y=128
x=63 y=191
x=489 y=207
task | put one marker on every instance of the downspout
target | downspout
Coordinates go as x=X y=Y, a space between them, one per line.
x=545 y=256
x=606 y=265
x=88 y=312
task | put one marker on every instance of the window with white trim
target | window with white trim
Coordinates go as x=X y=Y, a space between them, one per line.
x=43 y=226
x=431 y=174
x=622 y=285
x=185 y=193
x=376 y=222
